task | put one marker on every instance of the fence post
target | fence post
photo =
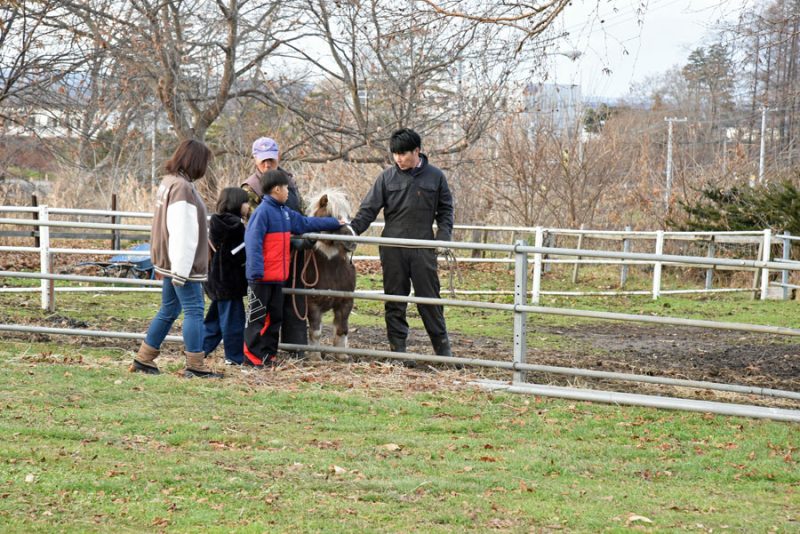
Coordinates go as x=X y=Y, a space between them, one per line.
x=476 y=238
x=626 y=247
x=657 y=265
x=549 y=241
x=115 y=219
x=712 y=245
x=34 y=234
x=45 y=262
x=765 y=257
x=575 y=267
x=513 y=240
x=787 y=255
x=537 y=266
x=520 y=317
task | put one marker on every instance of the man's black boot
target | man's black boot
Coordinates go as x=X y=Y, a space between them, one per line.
x=399 y=345
x=441 y=346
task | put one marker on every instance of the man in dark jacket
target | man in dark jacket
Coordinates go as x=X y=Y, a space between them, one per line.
x=412 y=194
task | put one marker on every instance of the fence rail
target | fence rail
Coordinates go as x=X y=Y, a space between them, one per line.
x=544 y=258
x=525 y=302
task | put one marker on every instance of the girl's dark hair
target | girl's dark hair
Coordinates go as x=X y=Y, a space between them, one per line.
x=272 y=179
x=190 y=158
x=231 y=199
x=404 y=140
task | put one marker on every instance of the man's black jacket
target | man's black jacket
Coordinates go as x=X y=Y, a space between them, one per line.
x=411 y=201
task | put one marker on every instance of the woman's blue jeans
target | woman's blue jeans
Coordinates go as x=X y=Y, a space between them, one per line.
x=188 y=298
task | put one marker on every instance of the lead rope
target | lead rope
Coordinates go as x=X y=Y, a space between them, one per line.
x=309 y=258
x=452 y=270
x=302 y=316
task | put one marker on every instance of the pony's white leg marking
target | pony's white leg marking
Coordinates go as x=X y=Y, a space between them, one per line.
x=314 y=337
x=341 y=341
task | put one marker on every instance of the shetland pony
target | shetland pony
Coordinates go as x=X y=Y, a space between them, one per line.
x=330 y=266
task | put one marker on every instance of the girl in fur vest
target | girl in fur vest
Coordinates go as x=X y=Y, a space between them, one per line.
x=227 y=284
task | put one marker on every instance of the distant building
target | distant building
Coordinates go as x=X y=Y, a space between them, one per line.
x=40 y=121
x=555 y=107
x=45 y=108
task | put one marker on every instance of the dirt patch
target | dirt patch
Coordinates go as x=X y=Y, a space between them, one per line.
x=693 y=353
x=766 y=361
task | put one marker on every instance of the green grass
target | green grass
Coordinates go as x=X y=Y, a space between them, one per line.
x=87 y=447
x=96 y=449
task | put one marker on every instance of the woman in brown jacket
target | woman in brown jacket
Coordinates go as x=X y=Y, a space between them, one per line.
x=179 y=251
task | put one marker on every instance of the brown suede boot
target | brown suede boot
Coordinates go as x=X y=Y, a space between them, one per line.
x=143 y=361
x=196 y=366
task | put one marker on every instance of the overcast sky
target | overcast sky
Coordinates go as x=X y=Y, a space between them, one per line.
x=632 y=45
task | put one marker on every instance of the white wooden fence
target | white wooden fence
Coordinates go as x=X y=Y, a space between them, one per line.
x=42 y=224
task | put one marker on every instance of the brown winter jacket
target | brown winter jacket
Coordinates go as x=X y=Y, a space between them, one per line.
x=179 y=237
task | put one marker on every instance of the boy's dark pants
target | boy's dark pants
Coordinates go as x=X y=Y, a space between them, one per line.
x=264 y=318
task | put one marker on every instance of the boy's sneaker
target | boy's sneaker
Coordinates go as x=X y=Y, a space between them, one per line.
x=249 y=363
x=231 y=362
x=271 y=360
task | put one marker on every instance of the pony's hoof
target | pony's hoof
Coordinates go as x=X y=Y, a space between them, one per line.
x=343 y=358
x=314 y=356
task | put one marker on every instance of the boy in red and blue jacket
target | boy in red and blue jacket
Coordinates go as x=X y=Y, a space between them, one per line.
x=266 y=242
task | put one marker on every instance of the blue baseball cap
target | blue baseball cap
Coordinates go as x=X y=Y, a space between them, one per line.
x=265 y=148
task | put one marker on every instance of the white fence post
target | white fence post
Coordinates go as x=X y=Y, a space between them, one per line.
x=520 y=317
x=626 y=247
x=657 y=265
x=576 y=266
x=765 y=257
x=537 y=267
x=48 y=286
x=787 y=255
x=710 y=271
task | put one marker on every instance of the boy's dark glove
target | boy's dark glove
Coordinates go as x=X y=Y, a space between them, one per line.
x=298 y=243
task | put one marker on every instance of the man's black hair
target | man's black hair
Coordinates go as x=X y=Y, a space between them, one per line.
x=404 y=140
x=272 y=179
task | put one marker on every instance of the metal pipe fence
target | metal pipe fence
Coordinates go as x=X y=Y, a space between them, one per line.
x=546 y=235
x=543 y=256
x=525 y=301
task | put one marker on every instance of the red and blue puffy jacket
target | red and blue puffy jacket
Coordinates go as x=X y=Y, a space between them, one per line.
x=267 y=239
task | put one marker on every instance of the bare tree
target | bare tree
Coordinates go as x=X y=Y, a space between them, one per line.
x=379 y=64
x=33 y=56
x=525 y=21
x=187 y=53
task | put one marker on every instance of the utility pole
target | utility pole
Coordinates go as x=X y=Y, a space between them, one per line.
x=668 y=191
x=764 y=110
x=725 y=155
x=153 y=134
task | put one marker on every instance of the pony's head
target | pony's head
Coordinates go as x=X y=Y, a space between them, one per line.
x=332 y=203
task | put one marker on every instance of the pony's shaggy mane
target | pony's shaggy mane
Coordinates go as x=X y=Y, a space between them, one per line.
x=338 y=205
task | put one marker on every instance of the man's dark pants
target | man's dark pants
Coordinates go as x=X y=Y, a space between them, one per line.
x=401 y=268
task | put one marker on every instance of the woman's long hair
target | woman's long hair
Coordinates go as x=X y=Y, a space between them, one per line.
x=190 y=159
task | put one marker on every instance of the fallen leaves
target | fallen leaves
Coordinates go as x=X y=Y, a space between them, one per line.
x=337 y=470
x=635 y=518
